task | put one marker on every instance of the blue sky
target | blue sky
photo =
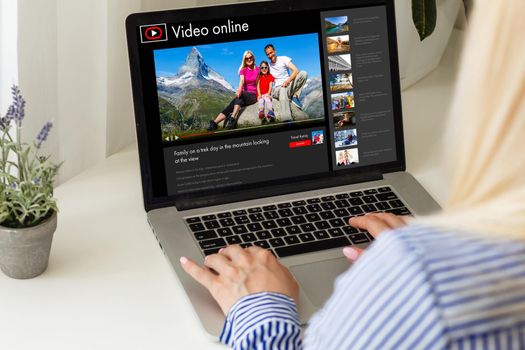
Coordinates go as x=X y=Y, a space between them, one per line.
x=225 y=58
x=337 y=20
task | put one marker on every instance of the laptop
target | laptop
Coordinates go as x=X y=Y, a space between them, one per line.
x=284 y=170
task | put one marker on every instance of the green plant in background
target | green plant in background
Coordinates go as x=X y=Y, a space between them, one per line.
x=424 y=14
x=26 y=177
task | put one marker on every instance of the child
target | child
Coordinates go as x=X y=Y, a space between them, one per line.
x=265 y=83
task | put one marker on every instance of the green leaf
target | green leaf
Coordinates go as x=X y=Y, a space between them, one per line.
x=424 y=15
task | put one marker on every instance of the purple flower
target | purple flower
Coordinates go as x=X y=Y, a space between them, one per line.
x=16 y=110
x=4 y=122
x=42 y=135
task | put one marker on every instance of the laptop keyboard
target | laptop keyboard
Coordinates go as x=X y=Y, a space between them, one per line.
x=295 y=227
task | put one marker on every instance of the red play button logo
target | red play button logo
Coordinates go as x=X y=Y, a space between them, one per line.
x=153 y=33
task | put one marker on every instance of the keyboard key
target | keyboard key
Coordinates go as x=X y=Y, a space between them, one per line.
x=269 y=224
x=209 y=217
x=213 y=243
x=321 y=234
x=224 y=215
x=342 y=203
x=278 y=232
x=327 y=215
x=254 y=210
x=328 y=198
x=212 y=224
x=356 y=194
x=225 y=231
x=313 y=200
x=271 y=215
x=368 y=208
x=256 y=217
x=342 y=196
x=400 y=211
x=356 y=201
x=242 y=219
x=298 y=220
x=202 y=235
x=283 y=222
x=369 y=199
x=263 y=235
x=211 y=251
x=308 y=227
x=298 y=203
x=306 y=237
x=269 y=207
x=276 y=242
x=369 y=192
x=314 y=208
x=383 y=206
x=285 y=213
x=300 y=210
x=349 y=230
x=233 y=239
x=336 y=232
x=312 y=217
x=227 y=222
x=387 y=196
x=355 y=211
x=322 y=225
x=341 y=213
x=262 y=244
x=197 y=227
x=239 y=212
x=359 y=238
x=328 y=206
x=284 y=205
x=337 y=223
x=311 y=246
x=396 y=203
x=291 y=240
x=239 y=230
x=248 y=237
x=254 y=227
x=245 y=245
x=384 y=189
x=193 y=220
x=293 y=230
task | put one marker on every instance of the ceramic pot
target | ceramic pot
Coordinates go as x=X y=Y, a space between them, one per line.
x=419 y=58
x=24 y=252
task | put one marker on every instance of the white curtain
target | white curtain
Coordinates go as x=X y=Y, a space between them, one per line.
x=73 y=70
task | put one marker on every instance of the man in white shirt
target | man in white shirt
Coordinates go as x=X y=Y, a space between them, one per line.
x=287 y=86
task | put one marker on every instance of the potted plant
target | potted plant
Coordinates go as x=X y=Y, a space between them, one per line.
x=28 y=211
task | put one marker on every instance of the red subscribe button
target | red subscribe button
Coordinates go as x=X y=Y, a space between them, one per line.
x=302 y=143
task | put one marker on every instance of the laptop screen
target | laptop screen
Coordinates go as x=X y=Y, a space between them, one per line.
x=263 y=95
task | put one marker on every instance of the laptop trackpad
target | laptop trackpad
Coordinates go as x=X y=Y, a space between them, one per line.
x=317 y=279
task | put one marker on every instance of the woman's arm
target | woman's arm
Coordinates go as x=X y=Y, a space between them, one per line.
x=241 y=84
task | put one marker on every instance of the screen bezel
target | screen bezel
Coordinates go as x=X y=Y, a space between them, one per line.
x=146 y=132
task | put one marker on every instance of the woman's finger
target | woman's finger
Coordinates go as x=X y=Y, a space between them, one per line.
x=218 y=262
x=352 y=253
x=371 y=223
x=201 y=275
x=232 y=252
x=394 y=221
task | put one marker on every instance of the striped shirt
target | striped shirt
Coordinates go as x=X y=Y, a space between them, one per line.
x=414 y=288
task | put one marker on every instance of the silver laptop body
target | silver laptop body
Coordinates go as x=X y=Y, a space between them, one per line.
x=353 y=55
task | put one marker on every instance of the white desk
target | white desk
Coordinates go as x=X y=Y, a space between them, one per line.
x=108 y=286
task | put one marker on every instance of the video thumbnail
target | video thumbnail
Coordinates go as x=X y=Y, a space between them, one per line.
x=339 y=63
x=334 y=25
x=338 y=44
x=342 y=101
x=347 y=157
x=343 y=120
x=200 y=90
x=345 y=138
x=340 y=82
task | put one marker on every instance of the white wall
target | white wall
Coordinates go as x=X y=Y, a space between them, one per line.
x=8 y=47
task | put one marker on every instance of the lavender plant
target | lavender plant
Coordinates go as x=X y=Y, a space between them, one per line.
x=26 y=177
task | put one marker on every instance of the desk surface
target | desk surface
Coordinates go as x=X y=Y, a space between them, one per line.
x=108 y=286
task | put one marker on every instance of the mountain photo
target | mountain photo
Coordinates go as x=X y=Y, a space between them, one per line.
x=335 y=25
x=195 y=84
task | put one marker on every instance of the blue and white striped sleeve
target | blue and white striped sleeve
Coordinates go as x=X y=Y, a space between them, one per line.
x=263 y=321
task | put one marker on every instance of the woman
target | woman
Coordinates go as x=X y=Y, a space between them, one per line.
x=245 y=95
x=450 y=281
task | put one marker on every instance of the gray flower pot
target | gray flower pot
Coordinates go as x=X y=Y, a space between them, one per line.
x=24 y=252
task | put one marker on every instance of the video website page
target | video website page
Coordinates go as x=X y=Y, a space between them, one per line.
x=247 y=100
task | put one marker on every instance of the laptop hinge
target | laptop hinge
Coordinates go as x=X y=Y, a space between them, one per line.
x=275 y=190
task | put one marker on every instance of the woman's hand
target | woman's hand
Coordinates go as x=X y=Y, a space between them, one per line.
x=375 y=224
x=238 y=93
x=239 y=272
